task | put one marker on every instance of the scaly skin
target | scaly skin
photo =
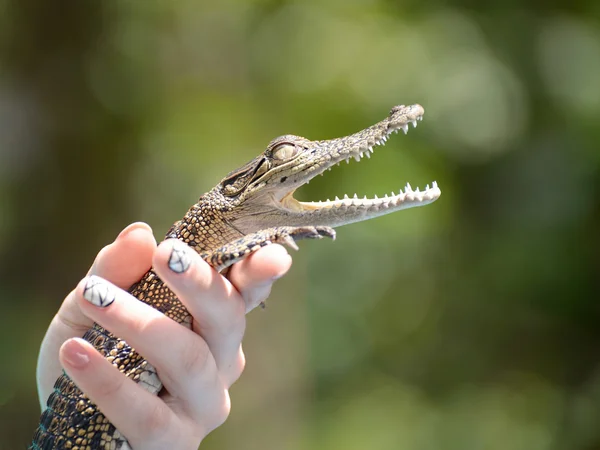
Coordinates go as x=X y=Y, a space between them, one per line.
x=250 y=208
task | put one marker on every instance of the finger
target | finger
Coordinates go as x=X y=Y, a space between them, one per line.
x=217 y=308
x=124 y=261
x=128 y=258
x=182 y=359
x=253 y=277
x=141 y=417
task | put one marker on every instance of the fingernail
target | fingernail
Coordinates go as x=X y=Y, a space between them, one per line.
x=75 y=354
x=98 y=292
x=181 y=257
x=134 y=226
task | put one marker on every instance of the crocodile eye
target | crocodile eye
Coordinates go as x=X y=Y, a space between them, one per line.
x=284 y=152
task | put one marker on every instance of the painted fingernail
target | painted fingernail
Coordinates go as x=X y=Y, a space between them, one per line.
x=181 y=257
x=75 y=354
x=98 y=292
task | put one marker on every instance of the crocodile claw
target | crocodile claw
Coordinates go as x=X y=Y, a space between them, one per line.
x=297 y=233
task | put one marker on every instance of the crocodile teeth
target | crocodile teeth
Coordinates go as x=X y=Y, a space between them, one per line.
x=357 y=158
x=405 y=128
x=368 y=155
x=414 y=123
x=408 y=198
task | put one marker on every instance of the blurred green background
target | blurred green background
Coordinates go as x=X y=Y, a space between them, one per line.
x=472 y=323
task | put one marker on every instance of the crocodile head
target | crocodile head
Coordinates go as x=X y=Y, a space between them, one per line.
x=267 y=183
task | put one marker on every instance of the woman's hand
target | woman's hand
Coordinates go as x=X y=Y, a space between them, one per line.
x=196 y=366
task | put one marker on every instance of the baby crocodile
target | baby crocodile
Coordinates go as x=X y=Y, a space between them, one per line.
x=251 y=207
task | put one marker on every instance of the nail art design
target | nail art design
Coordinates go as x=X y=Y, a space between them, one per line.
x=98 y=292
x=181 y=257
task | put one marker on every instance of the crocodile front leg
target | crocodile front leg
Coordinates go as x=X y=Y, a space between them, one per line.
x=237 y=250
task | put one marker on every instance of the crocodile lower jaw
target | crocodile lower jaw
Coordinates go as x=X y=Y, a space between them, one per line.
x=407 y=198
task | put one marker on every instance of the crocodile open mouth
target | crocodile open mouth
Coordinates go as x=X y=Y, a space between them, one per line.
x=364 y=147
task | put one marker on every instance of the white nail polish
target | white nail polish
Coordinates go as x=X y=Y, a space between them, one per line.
x=181 y=257
x=98 y=292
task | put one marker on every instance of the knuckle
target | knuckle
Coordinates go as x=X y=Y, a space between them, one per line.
x=155 y=419
x=239 y=311
x=229 y=319
x=241 y=361
x=237 y=368
x=194 y=356
x=146 y=325
x=222 y=410
x=113 y=386
x=234 y=320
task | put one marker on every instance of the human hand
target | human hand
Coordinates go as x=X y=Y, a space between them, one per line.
x=197 y=367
